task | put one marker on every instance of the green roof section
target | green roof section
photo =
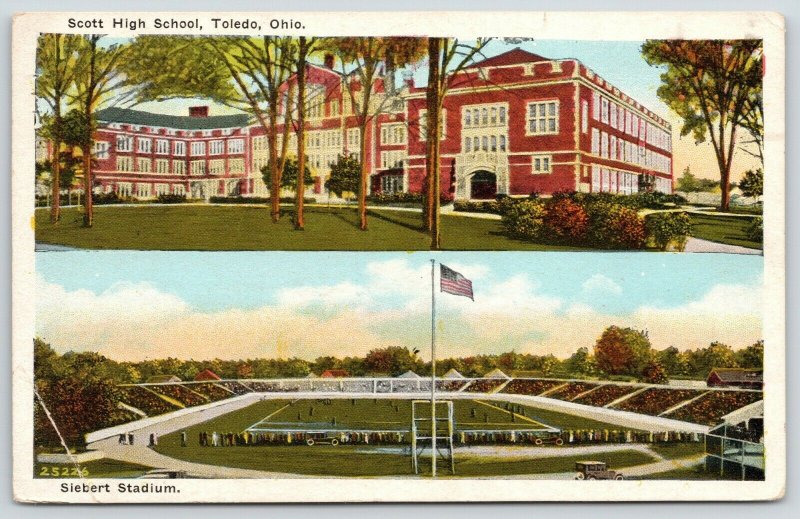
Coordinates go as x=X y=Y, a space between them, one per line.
x=178 y=122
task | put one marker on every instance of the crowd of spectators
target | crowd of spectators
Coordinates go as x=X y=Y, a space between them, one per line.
x=605 y=394
x=484 y=385
x=180 y=393
x=530 y=386
x=145 y=400
x=655 y=401
x=571 y=390
x=709 y=409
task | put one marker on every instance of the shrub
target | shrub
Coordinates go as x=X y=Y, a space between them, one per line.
x=477 y=207
x=566 y=220
x=653 y=373
x=613 y=226
x=171 y=199
x=667 y=229
x=254 y=200
x=756 y=229
x=106 y=198
x=524 y=219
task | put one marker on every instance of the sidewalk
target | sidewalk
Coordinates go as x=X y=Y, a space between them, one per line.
x=697 y=245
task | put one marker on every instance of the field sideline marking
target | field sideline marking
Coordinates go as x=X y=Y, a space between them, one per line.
x=270 y=415
x=519 y=415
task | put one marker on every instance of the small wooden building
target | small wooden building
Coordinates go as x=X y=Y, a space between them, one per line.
x=736 y=377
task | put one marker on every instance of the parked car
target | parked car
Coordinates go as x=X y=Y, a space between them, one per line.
x=322 y=440
x=595 y=470
x=165 y=474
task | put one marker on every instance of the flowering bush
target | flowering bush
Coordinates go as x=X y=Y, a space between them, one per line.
x=524 y=219
x=668 y=229
x=565 y=220
x=613 y=226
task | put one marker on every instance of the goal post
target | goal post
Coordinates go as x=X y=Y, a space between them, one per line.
x=422 y=432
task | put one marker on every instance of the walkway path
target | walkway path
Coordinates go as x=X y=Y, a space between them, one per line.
x=700 y=245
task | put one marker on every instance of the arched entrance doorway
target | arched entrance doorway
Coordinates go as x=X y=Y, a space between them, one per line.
x=483 y=186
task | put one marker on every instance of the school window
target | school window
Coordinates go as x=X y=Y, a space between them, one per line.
x=179 y=148
x=334 y=107
x=162 y=146
x=604 y=145
x=467 y=145
x=628 y=129
x=162 y=189
x=635 y=125
x=392 y=134
x=124 y=189
x=179 y=189
x=124 y=164
x=259 y=143
x=543 y=117
x=392 y=184
x=162 y=166
x=584 y=116
x=124 y=143
x=596 y=106
x=613 y=148
x=604 y=110
x=143 y=165
x=143 y=190
x=621 y=119
x=144 y=145
x=595 y=141
x=235 y=146
x=541 y=164
x=215 y=147
x=178 y=167
x=613 y=115
x=236 y=166
x=502 y=143
x=198 y=167
x=216 y=167
x=198 y=149
x=392 y=159
x=100 y=149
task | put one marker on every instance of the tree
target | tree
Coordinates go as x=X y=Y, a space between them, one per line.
x=446 y=58
x=654 y=373
x=751 y=356
x=672 y=361
x=580 y=362
x=687 y=182
x=56 y=57
x=345 y=176
x=368 y=56
x=393 y=360
x=246 y=73
x=98 y=74
x=713 y=85
x=716 y=355
x=305 y=46
x=289 y=176
x=752 y=183
x=622 y=351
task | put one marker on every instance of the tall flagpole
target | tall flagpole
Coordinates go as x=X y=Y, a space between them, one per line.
x=433 y=369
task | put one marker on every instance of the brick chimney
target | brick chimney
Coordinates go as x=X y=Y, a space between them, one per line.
x=198 y=111
x=330 y=60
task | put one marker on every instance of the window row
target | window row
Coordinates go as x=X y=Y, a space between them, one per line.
x=144 y=190
x=611 y=147
x=485 y=143
x=392 y=159
x=542 y=118
x=394 y=133
x=605 y=180
x=485 y=115
x=178 y=167
x=618 y=117
x=124 y=143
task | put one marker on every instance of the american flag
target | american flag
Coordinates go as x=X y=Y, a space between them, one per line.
x=454 y=283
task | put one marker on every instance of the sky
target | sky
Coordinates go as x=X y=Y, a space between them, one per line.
x=619 y=62
x=231 y=305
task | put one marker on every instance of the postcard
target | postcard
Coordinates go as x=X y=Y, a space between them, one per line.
x=405 y=257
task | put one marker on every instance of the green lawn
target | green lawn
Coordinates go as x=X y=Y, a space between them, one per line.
x=103 y=468
x=675 y=451
x=368 y=460
x=691 y=473
x=219 y=227
x=731 y=230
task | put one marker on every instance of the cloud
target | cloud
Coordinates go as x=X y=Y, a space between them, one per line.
x=391 y=307
x=600 y=285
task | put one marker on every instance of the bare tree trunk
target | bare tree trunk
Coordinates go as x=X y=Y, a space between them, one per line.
x=274 y=171
x=434 y=115
x=362 y=185
x=55 y=206
x=299 y=222
x=88 y=205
